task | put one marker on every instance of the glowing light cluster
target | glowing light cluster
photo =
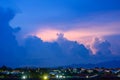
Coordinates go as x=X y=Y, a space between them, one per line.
x=24 y=77
x=45 y=77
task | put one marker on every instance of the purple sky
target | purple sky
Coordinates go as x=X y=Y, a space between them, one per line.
x=59 y=32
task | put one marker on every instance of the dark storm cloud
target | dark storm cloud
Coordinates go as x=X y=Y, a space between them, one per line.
x=102 y=47
x=8 y=43
x=115 y=43
x=10 y=51
x=59 y=52
x=109 y=47
x=35 y=51
x=72 y=47
x=104 y=50
x=17 y=29
x=46 y=51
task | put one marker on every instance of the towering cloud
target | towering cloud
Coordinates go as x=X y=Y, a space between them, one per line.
x=35 y=51
x=72 y=47
x=102 y=47
x=8 y=43
x=114 y=41
x=60 y=52
x=10 y=52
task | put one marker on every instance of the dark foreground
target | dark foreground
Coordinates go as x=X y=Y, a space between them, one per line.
x=103 y=78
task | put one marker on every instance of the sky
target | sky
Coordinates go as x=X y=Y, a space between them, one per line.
x=58 y=32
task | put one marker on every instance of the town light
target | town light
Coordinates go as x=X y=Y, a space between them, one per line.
x=60 y=76
x=87 y=76
x=57 y=76
x=24 y=77
x=45 y=77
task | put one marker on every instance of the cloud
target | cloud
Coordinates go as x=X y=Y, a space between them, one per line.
x=102 y=47
x=8 y=43
x=114 y=41
x=34 y=50
x=17 y=29
x=58 y=52
x=72 y=47
x=65 y=15
x=10 y=51
x=48 y=53
x=64 y=49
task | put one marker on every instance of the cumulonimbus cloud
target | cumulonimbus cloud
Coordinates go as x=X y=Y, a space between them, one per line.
x=39 y=52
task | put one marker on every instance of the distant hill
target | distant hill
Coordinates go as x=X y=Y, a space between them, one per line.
x=107 y=64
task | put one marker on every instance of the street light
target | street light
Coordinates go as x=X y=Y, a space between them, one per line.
x=45 y=77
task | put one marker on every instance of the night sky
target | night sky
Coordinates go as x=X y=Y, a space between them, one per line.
x=50 y=33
